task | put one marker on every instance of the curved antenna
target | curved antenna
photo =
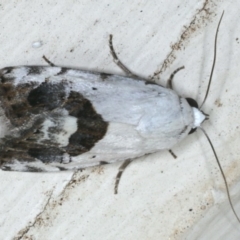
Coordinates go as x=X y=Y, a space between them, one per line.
x=223 y=175
x=214 y=60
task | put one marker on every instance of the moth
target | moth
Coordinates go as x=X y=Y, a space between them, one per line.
x=56 y=118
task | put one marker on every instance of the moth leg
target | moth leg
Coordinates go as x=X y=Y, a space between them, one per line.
x=48 y=61
x=117 y=61
x=169 y=81
x=120 y=172
x=172 y=153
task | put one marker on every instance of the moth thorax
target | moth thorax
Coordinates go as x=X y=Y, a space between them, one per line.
x=199 y=117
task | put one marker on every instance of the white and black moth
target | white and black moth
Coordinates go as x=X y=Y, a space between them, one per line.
x=55 y=118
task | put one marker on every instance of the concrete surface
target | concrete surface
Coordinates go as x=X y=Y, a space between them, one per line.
x=159 y=197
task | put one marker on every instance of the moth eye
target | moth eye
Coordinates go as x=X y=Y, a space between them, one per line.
x=192 y=102
x=192 y=130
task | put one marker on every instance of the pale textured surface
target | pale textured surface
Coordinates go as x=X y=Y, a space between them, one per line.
x=159 y=197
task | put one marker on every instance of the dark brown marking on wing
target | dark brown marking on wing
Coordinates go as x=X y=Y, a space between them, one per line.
x=103 y=76
x=4 y=74
x=91 y=126
x=103 y=163
x=47 y=96
x=47 y=154
x=63 y=71
x=14 y=102
x=35 y=70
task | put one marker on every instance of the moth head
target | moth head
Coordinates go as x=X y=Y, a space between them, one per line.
x=199 y=116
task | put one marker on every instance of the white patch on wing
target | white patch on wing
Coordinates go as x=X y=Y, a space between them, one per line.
x=64 y=127
x=66 y=158
x=24 y=166
x=45 y=128
x=18 y=74
x=16 y=165
x=21 y=74
x=69 y=126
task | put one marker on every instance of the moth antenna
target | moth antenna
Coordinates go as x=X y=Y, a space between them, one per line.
x=214 y=60
x=223 y=175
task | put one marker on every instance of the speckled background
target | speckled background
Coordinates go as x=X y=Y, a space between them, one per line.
x=159 y=197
